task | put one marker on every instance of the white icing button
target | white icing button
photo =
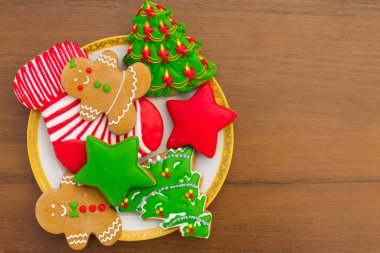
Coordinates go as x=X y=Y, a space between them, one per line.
x=75 y=80
x=52 y=206
x=80 y=71
x=52 y=214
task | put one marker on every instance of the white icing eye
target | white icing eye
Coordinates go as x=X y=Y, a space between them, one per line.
x=80 y=71
x=75 y=80
x=52 y=206
x=52 y=214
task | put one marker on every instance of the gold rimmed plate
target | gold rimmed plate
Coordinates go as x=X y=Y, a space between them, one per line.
x=48 y=171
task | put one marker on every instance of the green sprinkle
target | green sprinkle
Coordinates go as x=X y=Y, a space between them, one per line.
x=97 y=84
x=106 y=88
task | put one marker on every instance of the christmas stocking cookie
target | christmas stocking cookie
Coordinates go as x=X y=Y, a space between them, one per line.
x=38 y=86
x=103 y=88
x=78 y=211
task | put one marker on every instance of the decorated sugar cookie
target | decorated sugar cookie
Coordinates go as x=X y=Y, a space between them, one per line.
x=176 y=198
x=198 y=120
x=113 y=169
x=173 y=58
x=103 y=88
x=78 y=211
x=37 y=85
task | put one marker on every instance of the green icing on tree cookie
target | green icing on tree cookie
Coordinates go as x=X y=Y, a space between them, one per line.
x=175 y=198
x=173 y=58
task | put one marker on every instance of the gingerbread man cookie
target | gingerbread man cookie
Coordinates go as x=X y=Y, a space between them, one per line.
x=103 y=88
x=78 y=211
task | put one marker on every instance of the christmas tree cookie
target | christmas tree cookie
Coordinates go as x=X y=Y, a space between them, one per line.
x=175 y=198
x=173 y=58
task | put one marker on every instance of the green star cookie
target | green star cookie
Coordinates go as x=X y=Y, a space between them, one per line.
x=113 y=168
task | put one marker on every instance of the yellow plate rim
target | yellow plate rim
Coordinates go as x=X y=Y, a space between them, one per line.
x=146 y=234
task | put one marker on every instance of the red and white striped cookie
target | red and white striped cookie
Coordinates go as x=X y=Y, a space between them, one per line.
x=37 y=85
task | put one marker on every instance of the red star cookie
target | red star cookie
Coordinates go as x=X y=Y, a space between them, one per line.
x=198 y=120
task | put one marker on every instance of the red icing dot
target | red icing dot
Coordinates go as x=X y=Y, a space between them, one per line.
x=126 y=206
x=191 y=231
x=101 y=207
x=82 y=209
x=80 y=87
x=191 y=197
x=92 y=208
x=168 y=175
x=89 y=70
x=161 y=213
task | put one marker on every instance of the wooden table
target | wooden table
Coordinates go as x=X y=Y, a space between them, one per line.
x=304 y=78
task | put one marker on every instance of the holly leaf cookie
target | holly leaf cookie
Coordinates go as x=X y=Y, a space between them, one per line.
x=103 y=88
x=198 y=120
x=78 y=211
x=113 y=168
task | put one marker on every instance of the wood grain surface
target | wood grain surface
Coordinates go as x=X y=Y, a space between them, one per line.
x=304 y=78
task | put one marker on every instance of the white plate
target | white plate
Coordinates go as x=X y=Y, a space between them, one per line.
x=48 y=171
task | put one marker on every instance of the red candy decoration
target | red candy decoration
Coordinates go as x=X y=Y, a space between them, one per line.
x=80 y=87
x=149 y=12
x=191 y=231
x=168 y=80
x=82 y=209
x=190 y=40
x=198 y=120
x=125 y=206
x=146 y=52
x=167 y=176
x=92 y=208
x=101 y=207
x=147 y=30
x=89 y=70
x=161 y=214
x=181 y=50
x=160 y=7
x=135 y=29
x=189 y=73
x=191 y=197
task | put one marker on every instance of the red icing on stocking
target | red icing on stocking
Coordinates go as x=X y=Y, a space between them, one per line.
x=37 y=85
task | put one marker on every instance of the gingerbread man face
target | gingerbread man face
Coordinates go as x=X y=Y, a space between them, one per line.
x=103 y=88
x=78 y=211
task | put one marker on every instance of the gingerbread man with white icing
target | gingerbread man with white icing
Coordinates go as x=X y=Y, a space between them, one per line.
x=103 y=88
x=78 y=211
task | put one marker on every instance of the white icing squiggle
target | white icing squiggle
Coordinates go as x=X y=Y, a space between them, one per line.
x=89 y=108
x=87 y=115
x=117 y=94
x=77 y=242
x=114 y=122
x=76 y=236
x=107 y=60
x=113 y=234
x=110 y=228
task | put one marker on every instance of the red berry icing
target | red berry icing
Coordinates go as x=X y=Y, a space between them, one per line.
x=80 y=87
x=82 y=209
x=89 y=70
x=101 y=207
x=92 y=208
